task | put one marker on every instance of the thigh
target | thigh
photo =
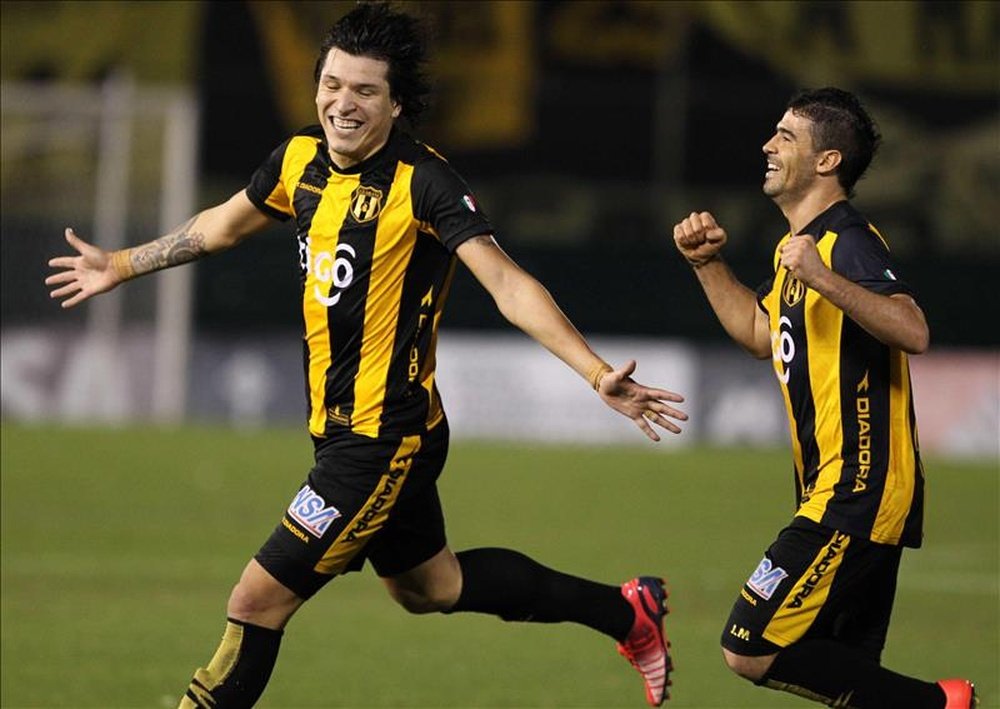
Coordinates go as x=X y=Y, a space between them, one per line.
x=416 y=530
x=863 y=623
x=349 y=499
x=810 y=579
x=432 y=586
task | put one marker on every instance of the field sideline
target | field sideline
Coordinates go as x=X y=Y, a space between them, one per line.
x=120 y=547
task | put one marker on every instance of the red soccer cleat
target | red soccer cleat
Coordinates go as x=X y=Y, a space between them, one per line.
x=646 y=646
x=958 y=693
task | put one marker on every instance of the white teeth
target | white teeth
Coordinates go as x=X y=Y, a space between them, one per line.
x=346 y=124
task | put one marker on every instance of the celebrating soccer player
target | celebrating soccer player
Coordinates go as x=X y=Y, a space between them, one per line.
x=380 y=219
x=838 y=322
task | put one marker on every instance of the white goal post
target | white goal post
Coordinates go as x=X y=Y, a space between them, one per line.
x=117 y=105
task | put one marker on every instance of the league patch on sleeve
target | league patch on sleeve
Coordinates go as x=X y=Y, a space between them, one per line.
x=766 y=578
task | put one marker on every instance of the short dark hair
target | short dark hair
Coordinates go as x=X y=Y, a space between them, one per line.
x=375 y=30
x=840 y=122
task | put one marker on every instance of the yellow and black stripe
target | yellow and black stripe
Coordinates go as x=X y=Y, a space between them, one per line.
x=373 y=514
x=848 y=396
x=808 y=594
x=376 y=245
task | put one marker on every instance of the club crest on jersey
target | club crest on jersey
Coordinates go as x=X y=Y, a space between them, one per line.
x=765 y=579
x=311 y=512
x=366 y=204
x=792 y=291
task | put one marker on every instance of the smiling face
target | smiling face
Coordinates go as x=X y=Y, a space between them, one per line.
x=791 y=160
x=354 y=105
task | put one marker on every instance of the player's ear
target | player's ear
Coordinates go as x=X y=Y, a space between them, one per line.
x=828 y=161
x=397 y=108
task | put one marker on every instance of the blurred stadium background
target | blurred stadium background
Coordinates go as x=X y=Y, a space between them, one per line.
x=586 y=130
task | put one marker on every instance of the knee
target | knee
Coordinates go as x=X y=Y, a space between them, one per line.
x=423 y=600
x=261 y=600
x=747 y=666
x=432 y=587
x=245 y=604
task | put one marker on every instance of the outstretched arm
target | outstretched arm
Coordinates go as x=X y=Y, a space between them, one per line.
x=700 y=240
x=528 y=305
x=94 y=271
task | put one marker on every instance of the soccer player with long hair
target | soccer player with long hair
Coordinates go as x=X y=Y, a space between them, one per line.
x=380 y=220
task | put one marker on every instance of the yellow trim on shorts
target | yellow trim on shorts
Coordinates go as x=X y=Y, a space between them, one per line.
x=373 y=514
x=807 y=597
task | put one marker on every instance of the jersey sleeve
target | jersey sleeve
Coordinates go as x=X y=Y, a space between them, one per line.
x=267 y=190
x=862 y=257
x=763 y=291
x=443 y=202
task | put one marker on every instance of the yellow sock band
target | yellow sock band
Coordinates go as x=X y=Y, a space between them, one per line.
x=199 y=693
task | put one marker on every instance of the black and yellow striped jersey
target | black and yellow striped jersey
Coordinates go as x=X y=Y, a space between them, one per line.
x=848 y=396
x=376 y=254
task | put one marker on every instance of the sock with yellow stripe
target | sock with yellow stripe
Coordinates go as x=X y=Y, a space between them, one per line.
x=838 y=675
x=238 y=672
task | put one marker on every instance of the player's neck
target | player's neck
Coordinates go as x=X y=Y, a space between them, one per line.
x=802 y=211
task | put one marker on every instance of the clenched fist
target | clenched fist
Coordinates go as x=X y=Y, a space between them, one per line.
x=699 y=238
x=800 y=256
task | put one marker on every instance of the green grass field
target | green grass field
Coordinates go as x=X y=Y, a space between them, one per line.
x=120 y=547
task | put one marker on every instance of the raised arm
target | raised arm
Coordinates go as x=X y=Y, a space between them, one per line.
x=95 y=271
x=894 y=320
x=524 y=302
x=700 y=240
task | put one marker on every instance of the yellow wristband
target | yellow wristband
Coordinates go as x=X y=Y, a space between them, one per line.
x=596 y=373
x=121 y=262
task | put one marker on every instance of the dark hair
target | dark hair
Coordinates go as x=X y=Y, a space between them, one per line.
x=840 y=122
x=375 y=30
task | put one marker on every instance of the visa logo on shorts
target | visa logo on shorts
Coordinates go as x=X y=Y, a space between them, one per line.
x=765 y=579
x=311 y=511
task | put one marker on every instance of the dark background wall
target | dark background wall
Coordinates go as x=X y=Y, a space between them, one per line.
x=586 y=129
x=597 y=121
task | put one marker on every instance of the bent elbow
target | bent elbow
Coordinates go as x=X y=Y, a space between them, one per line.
x=920 y=343
x=758 y=353
x=918 y=335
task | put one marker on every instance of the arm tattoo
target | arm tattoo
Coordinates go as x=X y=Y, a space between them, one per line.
x=179 y=246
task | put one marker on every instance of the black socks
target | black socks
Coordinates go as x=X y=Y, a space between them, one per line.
x=238 y=672
x=835 y=674
x=508 y=584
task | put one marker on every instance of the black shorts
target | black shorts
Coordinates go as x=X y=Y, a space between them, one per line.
x=815 y=582
x=365 y=498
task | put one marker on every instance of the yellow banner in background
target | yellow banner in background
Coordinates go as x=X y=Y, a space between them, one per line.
x=290 y=36
x=81 y=41
x=487 y=56
x=950 y=46
x=485 y=73
x=482 y=65
x=630 y=33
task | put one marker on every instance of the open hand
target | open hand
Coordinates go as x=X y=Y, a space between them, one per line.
x=81 y=276
x=642 y=404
